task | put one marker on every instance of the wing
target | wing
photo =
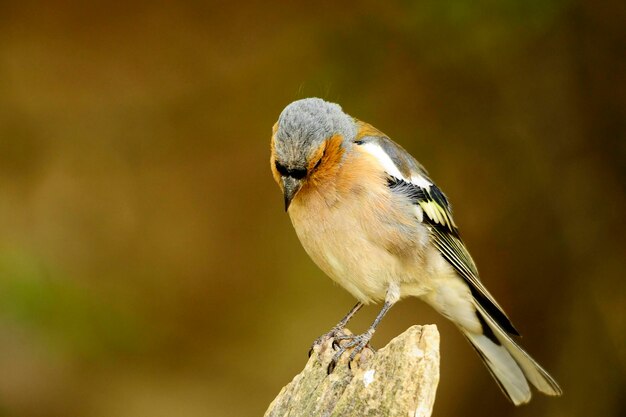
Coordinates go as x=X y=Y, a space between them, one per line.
x=407 y=177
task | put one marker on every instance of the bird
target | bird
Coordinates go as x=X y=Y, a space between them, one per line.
x=368 y=214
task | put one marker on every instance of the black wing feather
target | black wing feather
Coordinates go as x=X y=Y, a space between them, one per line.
x=446 y=238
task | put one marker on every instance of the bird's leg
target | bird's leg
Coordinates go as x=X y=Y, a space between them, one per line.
x=358 y=342
x=333 y=333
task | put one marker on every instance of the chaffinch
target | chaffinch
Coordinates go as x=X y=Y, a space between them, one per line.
x=369 y=216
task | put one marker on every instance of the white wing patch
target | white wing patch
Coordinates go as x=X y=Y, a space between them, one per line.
x=430 y=208
x=384 y=159
x=390 y=167
x=420 y=181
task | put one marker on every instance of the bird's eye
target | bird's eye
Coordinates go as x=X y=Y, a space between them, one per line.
x=296 y=173
x=282 y=170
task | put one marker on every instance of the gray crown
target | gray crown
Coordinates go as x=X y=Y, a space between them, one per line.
x=304 y=125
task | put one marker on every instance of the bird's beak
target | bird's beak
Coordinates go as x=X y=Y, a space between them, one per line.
x=291 y=186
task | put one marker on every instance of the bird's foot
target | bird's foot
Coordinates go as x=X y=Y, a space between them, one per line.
x=335 y=333
x=345 y=342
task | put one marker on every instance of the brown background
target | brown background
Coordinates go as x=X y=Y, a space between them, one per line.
x=147 y=267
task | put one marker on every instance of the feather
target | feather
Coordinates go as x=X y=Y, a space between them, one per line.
x=446 y=238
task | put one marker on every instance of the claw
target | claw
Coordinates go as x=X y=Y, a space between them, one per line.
x=331 y=367
x=336 y=334
x=357 y=349
x=356 y=343
x=335 y=359
x=319 y=341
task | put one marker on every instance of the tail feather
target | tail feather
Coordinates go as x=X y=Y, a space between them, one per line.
x=512 y=368
x=502 y=367
x=531 y=369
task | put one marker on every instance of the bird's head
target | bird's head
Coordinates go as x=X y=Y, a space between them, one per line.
x=308 y=143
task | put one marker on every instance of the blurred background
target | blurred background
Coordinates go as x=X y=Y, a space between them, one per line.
x=147 y=267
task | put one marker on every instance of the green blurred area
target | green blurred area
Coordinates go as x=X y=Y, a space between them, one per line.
x=147 y=267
